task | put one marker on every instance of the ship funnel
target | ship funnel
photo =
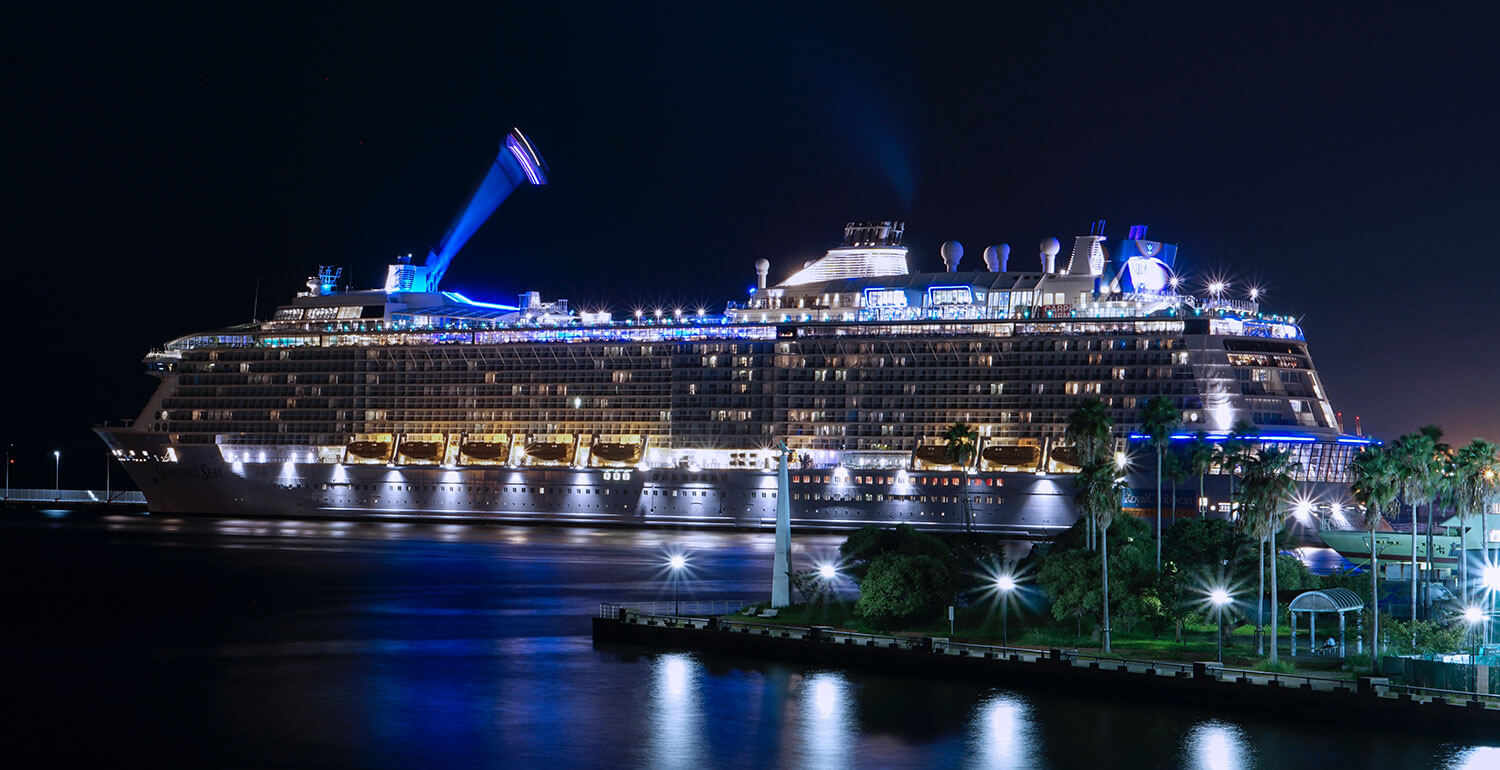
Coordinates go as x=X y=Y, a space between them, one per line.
x=518 y=163
x=952 y=252
x=1050 y=247
x=762 y=269
x=997 y=257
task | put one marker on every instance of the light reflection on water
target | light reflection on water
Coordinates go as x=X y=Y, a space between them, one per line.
x=394 y=644
x=827 y=729
x=674 y=737
x=1475 y=758
x=1216 y=745
x=1001 y=734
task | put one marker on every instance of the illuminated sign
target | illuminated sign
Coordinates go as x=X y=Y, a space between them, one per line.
x=885 y=298
x=950 y=295
x=1145 y=275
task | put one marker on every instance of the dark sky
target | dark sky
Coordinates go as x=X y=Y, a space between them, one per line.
x=160 y=163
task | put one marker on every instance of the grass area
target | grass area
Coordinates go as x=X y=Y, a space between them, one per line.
x=977 y=625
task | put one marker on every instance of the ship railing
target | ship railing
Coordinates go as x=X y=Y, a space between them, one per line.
x=75 y=496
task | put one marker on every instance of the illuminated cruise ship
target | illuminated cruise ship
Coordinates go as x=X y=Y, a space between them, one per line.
x=413 y=402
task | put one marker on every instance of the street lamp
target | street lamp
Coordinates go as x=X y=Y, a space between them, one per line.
x=1490 y=578
x=827 y=573
x=1006 y=584
x=1220 y=598
x=677 y=562
x=57 y=472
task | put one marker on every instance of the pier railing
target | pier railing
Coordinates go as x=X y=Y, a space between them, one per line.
x=74 y=496
x=706 y=616
x=692 y=608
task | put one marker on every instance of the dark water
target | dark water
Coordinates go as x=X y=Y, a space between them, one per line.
x=237 y=643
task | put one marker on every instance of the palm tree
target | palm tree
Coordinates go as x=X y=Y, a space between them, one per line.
x=1374 y=487
x=1235 y=450
x=1433 y=484
x=1413 y=456
x=1476 y=468
x=1100 y=491
x=1159 y=417
x=1270 y=482
x=962 y=440
x=1089 y=432
x=1176 y=470
x=1201 y=455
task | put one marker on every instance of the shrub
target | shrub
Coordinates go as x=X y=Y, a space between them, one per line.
x=901 y=590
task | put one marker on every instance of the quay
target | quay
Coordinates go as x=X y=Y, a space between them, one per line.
x=1299 y=697
x=73 y=498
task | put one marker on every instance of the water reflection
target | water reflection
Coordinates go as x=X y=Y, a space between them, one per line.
x=827 y=729
x=1475 y=758
x=1217 y=745
x=1002 y=734
x=675 y=737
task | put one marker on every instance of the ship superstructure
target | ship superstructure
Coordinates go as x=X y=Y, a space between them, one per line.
x=413 y=401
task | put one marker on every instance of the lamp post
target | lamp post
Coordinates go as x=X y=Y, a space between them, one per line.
x=1006 y=584
x=1474 y=615
x=57 y=472
x=827 y=573
x=677 y=562
x=1220 y=598
x=1491 y=580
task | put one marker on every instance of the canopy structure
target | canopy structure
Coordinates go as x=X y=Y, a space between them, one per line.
x=1336 y=600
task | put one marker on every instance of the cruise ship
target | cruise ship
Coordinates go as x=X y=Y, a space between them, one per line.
x=408 y=401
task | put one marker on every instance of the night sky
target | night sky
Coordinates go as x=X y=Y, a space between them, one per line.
x=160 y=163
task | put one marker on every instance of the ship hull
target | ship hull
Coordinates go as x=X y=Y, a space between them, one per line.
x=198 y=481
x=1395 y=547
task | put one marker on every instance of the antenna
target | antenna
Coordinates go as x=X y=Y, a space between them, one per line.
x=255 y=308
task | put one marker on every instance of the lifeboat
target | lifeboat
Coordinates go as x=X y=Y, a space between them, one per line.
x=548 y=451
x=1017 y=456
x=1066 y=455
x=613 y=452
x=485 y=451
x=934 y=454
x=421 y=452
x=368 y=451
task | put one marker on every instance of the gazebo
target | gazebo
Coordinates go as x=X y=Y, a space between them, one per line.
x=1339 y=600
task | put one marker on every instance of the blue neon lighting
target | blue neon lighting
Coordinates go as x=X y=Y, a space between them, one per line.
x=461 y=299
x=1272 y=438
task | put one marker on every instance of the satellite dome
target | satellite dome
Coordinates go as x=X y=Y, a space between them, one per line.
x=1050 y=247
x=762 y=265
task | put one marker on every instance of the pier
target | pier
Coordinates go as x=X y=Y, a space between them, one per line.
x=73 y=498
x=1301 y=697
